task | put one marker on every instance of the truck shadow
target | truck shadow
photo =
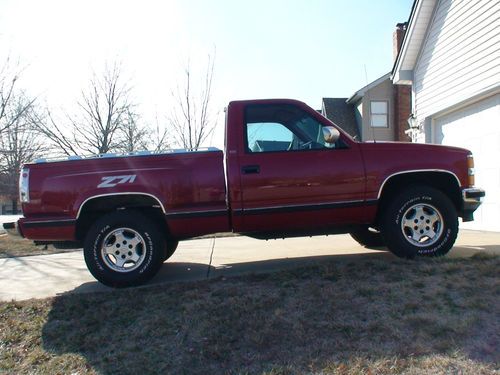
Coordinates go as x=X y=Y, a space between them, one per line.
x=174 y=272
x=314 y=312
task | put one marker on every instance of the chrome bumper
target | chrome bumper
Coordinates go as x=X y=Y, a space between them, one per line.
x=472 y=199
x=12 y=229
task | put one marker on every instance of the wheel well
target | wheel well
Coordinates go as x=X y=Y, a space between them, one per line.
x=445 y=182
x=99 y=206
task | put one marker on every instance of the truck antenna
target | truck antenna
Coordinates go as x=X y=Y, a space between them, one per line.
x=372 y=128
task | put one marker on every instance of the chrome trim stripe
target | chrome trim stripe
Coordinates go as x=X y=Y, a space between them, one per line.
x=48 y=223
x=308 y=207
x=123 y=193
x=125 y=154
x=415 y=171
x=187 y=214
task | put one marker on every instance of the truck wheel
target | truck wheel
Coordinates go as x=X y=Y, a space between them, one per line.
x=420 y=221
x=124 y=249
x=368 y=237
x=170 y=248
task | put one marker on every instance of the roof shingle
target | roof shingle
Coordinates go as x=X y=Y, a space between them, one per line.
x=342 y=114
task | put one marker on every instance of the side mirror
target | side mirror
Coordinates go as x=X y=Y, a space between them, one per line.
x=330 y=134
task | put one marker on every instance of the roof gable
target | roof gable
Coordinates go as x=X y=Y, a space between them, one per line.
x=420 y=18
x=361 y=92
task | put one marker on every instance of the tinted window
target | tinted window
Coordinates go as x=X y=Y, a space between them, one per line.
x=282 y=127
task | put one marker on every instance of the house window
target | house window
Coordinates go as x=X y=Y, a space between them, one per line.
x=379 y=114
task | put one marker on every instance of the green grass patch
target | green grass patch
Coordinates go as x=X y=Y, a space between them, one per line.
x=366 y=317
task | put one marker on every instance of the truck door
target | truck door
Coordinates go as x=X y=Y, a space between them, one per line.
x=291 y=179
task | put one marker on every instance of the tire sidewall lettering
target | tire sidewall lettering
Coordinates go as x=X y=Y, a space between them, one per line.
x=441 y=243
x=149 y=253
x=96 y=254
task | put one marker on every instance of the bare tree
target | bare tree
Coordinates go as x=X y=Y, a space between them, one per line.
x=160 y=137
x=104 y=123
x=62 y=142
x=191 y=119
x=104 y=106
x=9 y=110
x=133 y=135
x=19 y=144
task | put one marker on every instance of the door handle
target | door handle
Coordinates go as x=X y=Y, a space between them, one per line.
x=250 y=169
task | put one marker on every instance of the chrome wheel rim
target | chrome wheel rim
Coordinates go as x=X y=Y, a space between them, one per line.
x=422 y=225
x=123 y=250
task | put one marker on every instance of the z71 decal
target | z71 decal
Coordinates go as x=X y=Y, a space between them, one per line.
x=112 y=181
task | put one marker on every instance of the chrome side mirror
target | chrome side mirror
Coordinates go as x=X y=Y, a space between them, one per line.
x=330 y=134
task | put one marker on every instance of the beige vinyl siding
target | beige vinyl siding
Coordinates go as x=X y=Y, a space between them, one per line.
x=461 y=55
x=382 y=92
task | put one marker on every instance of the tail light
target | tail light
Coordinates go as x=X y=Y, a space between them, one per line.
x=24 y=185
x=470 y=171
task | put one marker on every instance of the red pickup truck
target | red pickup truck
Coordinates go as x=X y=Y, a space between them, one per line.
x=286 y=171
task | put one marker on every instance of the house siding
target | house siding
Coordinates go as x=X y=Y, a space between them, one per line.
x=461 y=55
x=381 y=92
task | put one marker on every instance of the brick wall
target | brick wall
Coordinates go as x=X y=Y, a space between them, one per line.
x=402 y=93
x=402 y=109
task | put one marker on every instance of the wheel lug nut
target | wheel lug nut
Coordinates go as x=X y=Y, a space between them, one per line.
x=129 y=253
x=117 y=252
x=123 y=256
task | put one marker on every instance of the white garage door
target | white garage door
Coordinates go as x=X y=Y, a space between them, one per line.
x=477 y=128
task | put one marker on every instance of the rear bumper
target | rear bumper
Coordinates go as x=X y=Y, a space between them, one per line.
x=42 y=230
x=12 y=229
x=472 y=199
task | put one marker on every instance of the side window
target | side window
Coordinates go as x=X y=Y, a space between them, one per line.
x=282 y=127
x=378 y=114
x=268 y=136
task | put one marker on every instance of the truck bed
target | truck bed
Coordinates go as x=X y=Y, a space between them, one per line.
x=183 y=184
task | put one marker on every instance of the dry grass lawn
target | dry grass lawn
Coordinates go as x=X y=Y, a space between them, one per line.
x=364 y=317
x=20 y=247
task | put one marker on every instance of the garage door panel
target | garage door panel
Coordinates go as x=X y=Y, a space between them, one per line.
x=477 y=128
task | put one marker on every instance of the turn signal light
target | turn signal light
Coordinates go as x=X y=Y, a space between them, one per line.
x=24 y=182
x=470 y=171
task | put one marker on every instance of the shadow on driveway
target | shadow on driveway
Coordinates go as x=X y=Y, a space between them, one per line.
x=173 y=272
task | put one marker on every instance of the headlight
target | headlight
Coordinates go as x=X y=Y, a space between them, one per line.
x=24 y=185
x=470 y=170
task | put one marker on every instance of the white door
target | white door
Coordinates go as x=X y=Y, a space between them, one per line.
x=477 y=128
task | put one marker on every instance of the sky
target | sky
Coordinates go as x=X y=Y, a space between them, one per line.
x=305 y=50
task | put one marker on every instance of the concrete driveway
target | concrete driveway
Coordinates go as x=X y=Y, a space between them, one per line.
x=49 y=275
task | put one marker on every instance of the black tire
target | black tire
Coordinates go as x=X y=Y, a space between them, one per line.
x=420 y=221
x=368 y=237
x=124 y=248
x=170 y=248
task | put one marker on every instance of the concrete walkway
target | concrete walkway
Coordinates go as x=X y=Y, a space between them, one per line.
x=49 y=275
